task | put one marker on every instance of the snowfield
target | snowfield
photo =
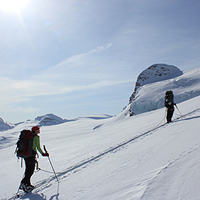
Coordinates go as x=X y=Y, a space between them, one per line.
x=119 y=158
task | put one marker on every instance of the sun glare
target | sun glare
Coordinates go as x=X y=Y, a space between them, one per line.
x=12 y=5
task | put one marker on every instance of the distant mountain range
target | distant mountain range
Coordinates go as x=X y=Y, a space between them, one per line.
x=48 y=120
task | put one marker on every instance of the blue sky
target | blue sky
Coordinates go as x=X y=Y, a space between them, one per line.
x=82 y=57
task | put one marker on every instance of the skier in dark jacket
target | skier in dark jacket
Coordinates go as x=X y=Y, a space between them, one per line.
x=169 y=104
x=31 y=161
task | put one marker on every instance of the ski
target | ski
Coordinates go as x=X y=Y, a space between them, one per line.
x=38 y=187
x=19 y=194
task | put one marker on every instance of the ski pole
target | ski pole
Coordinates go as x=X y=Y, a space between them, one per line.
x=178 y=109
x=50 y=163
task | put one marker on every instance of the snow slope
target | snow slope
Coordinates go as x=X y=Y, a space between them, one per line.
x=126 y=158
x=151 y=96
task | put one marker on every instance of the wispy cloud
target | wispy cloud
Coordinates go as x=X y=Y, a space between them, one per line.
x=24 y=90
x=80 y=69
x=14 y=92
x=79 y=57
x=94 y=86
x=83 y=74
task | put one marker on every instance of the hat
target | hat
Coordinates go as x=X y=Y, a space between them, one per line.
x=35 y=128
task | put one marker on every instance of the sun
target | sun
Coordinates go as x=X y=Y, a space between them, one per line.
x=12 y=5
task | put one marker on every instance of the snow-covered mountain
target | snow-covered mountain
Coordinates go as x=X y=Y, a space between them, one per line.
x=149 y=94
x=4 y=125
x=44 y=120
x=49 y=120
x=157 y=72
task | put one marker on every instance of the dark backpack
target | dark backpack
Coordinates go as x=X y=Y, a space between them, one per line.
x=25 y=144
x=169 y=98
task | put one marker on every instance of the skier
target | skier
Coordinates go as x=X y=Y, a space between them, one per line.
x=169 y=104
x=31 y=161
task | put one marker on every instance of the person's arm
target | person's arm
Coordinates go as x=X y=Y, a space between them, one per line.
x=36 y=144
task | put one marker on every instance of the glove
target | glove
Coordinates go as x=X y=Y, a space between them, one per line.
x=45 y=154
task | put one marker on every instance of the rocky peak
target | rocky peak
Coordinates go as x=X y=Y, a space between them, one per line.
x=155 y=73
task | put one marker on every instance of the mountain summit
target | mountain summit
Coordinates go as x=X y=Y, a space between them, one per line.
x=155 y=73
x=153 y=82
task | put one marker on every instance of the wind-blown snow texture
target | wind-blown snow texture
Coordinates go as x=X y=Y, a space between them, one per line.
x=118 y=158
x=151 y=96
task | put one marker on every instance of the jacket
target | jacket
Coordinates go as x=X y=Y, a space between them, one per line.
x=36 y=144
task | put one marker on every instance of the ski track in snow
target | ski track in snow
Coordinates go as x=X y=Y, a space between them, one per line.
x=46 y=183
x=165 y=168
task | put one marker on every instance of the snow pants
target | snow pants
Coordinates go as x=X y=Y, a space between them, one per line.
x=169 y=114
x=30 y=167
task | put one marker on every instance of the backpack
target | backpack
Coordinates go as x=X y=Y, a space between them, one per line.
x=25 y=144
x=169 y=98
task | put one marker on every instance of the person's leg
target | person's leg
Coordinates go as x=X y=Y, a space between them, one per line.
x=168 y=115
x=30 y=167
x=171 y=111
